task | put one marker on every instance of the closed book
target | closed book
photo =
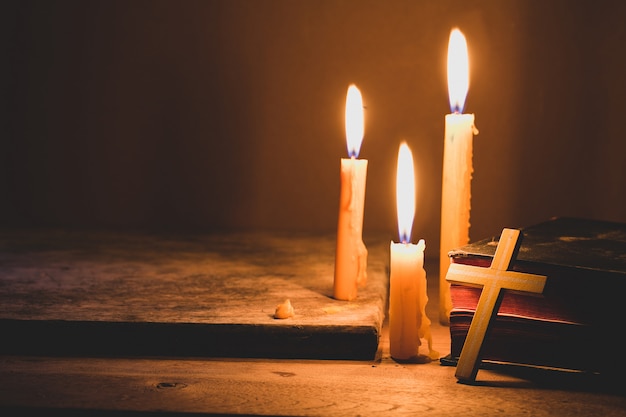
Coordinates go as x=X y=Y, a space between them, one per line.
x=576 y=323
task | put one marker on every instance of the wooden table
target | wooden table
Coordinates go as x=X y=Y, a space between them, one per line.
x=143 y=294
x=46 y=380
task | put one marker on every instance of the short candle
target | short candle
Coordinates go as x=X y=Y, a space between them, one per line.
x=408 y=322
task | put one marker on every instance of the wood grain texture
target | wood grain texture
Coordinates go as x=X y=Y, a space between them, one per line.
x=143 y=386
x=85 y=293
x=278 y=387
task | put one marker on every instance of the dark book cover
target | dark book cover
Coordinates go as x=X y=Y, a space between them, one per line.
x=576 y=322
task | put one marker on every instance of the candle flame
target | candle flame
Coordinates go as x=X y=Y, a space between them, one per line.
x=405 y=192
x=354 y=121
x=458 y=71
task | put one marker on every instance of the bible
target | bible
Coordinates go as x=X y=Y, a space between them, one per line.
x=575 y=324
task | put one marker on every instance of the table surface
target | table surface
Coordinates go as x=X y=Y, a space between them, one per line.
x=103 y=292
x=77 y=385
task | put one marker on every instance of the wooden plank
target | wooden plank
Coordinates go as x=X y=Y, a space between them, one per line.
x=255 y=387
x=106 y=293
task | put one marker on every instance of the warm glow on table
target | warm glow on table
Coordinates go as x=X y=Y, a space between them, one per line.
x=351 y=253
x=457 y=167
x=408 y=322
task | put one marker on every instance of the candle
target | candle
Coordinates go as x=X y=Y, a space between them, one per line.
x=457 y=167
x=408 y=322
x=351 y=253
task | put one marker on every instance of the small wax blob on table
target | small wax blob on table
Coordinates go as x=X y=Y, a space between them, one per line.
x=284 y=310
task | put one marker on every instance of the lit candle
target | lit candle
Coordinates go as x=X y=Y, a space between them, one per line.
x=457 y=167
x=351 y=253
x=408 y=322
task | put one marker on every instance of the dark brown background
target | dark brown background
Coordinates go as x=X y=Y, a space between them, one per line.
x=228 y=114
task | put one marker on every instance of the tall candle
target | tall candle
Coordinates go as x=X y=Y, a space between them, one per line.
x=351 y=253
x=408 y=322
x=457 y=167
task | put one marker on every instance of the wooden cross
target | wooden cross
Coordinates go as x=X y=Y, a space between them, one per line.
x=493 y=280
